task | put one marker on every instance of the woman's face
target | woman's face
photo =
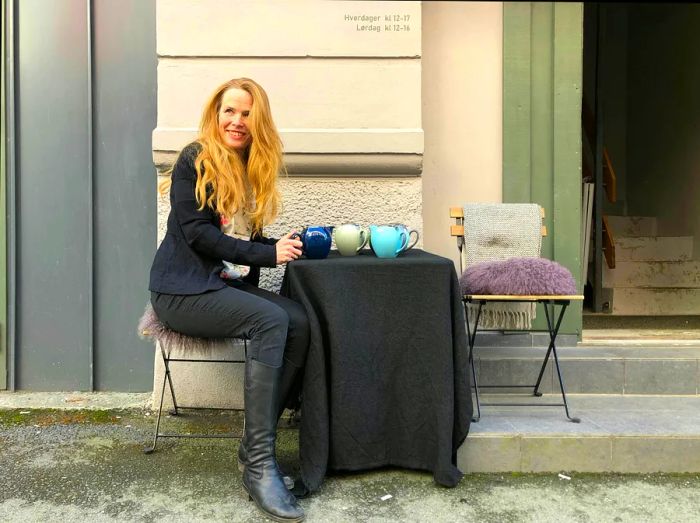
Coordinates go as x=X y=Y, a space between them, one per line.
x=233 y=116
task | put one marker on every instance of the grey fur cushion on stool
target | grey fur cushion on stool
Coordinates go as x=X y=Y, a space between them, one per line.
x=151 y=327
x=518 y=276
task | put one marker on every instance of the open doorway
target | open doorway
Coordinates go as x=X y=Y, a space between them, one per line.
x=641 y=81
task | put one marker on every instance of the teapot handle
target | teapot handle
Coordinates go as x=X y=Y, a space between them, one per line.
x=414 y=241
x=404 y=242
x=364 y=236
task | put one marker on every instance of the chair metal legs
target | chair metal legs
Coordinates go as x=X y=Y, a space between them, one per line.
x=471 y=337
x=553 y=329
x=165 y=354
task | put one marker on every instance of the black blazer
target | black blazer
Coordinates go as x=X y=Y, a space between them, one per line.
x=189 y=259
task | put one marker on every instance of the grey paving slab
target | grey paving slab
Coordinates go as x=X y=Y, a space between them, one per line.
x=522 y=339
x=617 y=433
x=515 y=371
x=661 y=376
x=544 y=454
x=600 y=352
x=498 y=339
x=496 y=454
x=638 y=423
x=491 y=425
x=593 y=376
x=74 y=400
x=641 y=402
x=661 y=454
x=600 y=415
x=554 y=422
x=541 y=339
x=629 y=370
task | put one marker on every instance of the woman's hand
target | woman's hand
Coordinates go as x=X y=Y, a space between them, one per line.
x=288 y=248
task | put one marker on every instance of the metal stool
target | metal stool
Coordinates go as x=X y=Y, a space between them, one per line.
x=151 y=327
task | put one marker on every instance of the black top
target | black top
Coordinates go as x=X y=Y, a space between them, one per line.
x=189 y=259
x=386 y=380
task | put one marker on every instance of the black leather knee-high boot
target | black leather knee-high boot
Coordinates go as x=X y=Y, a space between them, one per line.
x=288 y=381
x=261 y=477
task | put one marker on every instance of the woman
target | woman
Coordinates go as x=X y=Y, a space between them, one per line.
x=223 y=190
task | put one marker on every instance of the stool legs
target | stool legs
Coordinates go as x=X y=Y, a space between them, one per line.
x=552 y=347
x=553 y=329
x=471 y=337
x=167 y=378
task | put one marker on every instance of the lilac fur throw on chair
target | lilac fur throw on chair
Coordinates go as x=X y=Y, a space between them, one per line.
x=513 y=276
x=151 y=327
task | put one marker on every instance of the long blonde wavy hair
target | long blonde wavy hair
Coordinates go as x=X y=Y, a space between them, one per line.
x=221 y=171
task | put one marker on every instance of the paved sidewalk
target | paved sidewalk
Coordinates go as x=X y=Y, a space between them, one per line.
x=77 y=464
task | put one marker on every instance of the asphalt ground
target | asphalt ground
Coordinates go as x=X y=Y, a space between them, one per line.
x=88 y=465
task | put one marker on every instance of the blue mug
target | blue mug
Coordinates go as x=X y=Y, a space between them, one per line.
x=316 y=241
x=387 y=241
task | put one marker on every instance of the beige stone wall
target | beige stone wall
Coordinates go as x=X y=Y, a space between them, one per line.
x=462 y=112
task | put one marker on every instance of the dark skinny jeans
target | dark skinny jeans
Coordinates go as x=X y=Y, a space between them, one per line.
x=277 y=327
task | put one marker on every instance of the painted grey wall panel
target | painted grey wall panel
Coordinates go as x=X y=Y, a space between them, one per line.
x=54 y=207
x=124 y=54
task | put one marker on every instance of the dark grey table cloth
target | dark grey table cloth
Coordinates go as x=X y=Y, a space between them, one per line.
x=386 y=379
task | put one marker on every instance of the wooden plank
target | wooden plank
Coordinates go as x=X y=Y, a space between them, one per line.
x=523 y=297
x=458 y=212
x=457 y=230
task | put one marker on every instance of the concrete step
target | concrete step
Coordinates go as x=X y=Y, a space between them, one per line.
x=631 y=226
x=603 y=321
x=641 y=337
x=627 y=434
x=652 y=274
x=624 y=370
x=655 y=301
x=653 y=248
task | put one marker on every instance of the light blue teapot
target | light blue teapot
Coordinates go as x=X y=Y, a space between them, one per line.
x=387 y=241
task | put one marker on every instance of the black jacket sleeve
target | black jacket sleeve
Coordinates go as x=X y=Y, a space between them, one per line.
x=198 y=226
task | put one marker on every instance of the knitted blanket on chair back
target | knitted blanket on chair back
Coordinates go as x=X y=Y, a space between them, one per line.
x=498 y=231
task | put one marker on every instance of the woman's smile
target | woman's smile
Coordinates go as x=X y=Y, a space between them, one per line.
x=233 y=116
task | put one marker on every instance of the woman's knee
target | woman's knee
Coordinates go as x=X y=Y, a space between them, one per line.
x=298 y=337
x=272 y=319
x=298 y=321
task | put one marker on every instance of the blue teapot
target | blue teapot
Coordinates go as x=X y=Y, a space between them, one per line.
x=387 y=241
x=316 y=241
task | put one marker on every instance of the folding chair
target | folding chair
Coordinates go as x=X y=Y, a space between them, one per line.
x=482 y=300
x=167 y=339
